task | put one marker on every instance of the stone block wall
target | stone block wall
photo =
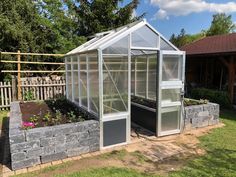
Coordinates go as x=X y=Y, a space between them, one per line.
x=197 y=116
x=46 y=144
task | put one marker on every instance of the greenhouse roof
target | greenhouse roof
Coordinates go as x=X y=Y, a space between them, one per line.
x=107 y=38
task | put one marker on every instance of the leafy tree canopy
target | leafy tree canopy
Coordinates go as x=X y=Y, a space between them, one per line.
x=221 y=24
x=57 y=26
x=100 y=15
x=183 y=38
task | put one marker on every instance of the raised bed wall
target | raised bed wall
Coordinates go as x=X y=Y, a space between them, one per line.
x=197 y=116
x=46 y=144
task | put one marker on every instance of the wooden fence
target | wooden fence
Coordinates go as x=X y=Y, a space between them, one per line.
x=5 y=94
x=31 y=90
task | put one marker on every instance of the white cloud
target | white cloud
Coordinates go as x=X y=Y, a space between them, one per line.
x=185 y=7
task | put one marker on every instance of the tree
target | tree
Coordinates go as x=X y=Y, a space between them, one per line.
x=221 y=24
x=184 y=39
x=100 y=15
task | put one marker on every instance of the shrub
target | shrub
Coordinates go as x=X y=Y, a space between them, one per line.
x=29 y=95
x=215 y=96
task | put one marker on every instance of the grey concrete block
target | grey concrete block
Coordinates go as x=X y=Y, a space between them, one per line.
x=48 y=150
x=72 y=137
x=35 y=152
x=19 y=138
x=61 y=148
x=94 y=147
x=36 y=133
x=83 y=135
x=78 y=151
x=25 y=163
x=18 y=156
x=47 y=141
x=72 y=145
x=52 y=157
x=60 y=139
x=23 y=146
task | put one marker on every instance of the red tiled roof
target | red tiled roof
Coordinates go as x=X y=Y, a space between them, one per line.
x=212 y=45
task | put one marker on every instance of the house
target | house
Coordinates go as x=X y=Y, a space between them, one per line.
x=211 y=63
x=133 y=60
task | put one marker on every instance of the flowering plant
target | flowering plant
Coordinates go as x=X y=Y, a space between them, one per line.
x=28 y=125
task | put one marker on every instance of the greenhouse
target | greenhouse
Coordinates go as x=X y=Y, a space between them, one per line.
x=119 y=74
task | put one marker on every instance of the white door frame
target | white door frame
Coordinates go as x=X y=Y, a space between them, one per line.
x=179 y=84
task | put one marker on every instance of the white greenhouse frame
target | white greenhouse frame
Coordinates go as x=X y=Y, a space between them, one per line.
x=95 y=84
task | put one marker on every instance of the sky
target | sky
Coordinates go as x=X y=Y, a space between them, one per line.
x=170 y=16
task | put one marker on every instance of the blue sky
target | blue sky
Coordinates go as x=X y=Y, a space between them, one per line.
x=170 y=16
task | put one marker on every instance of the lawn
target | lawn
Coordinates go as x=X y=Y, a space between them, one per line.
x=3 y=115
x=220 y=145
x=219 y=161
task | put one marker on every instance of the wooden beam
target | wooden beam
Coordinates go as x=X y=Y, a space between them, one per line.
x=13 y=71
x=32 y=62
x=33 y=54
x=231 y=79
x=19 y=76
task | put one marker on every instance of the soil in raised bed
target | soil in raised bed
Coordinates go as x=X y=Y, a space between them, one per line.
x=51 y=112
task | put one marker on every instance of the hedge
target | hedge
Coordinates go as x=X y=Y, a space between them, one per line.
x=215 y=96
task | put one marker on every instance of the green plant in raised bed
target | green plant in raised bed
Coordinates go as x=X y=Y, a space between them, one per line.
x=72 y=116
x=34 y=120
x=47 y=117
x=58 y=118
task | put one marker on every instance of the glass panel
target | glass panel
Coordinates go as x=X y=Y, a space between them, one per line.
x=75 y=83
x=170 y=95
x=69 y=84
x=115 y=85
x=152 y=69
x=171 y=68
x=93 y=83
x=120 y=47
x=75 y=63
x=170 y=118
x=83 y=80
x=165 y=45
x=115 y=78
x=141 y=74
x=144 y=37
x=68 y=62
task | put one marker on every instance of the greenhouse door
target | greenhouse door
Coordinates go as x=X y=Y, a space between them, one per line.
x=170 y=92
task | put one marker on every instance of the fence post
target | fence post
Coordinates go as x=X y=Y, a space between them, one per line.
x=14 y=88
x=18 y=77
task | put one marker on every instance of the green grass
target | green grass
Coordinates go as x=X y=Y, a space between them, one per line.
x=220 y=144
x=45 y=170
x=114 y=154
x=3 y=115
x=109 y=172
x=140 y=157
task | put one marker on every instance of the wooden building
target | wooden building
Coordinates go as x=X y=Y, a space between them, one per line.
x=211 y=63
